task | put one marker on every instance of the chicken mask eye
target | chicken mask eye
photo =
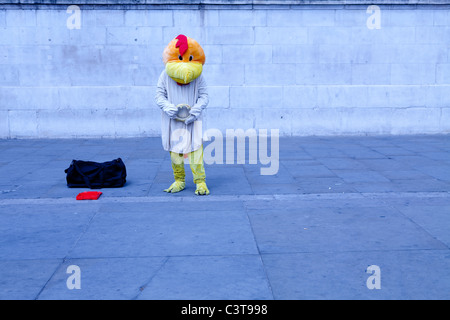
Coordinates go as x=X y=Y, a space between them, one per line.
x=180 y=57
x=190 y=58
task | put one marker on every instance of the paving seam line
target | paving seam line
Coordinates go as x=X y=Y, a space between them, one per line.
x=215 y=198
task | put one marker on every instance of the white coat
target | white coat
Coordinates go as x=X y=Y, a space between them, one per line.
x=176 y=135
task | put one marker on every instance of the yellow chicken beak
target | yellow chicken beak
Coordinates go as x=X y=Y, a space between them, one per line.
x=184 y=72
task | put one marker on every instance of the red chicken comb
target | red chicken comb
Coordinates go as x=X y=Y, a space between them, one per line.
x=182 y=43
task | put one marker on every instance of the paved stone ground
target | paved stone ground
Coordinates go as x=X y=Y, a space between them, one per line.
x=336 y=206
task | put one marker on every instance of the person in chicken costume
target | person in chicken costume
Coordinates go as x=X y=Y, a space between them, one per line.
x=182 y=95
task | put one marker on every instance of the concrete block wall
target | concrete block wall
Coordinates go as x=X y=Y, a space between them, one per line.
x=305 y=70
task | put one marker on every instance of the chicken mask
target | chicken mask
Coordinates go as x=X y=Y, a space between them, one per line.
x=184 y=59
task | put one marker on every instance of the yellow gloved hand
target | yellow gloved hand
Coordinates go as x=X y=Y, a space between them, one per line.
x=177 y=186
x=202 y=189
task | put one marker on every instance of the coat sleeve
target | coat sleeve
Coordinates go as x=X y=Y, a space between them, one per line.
x=161 y=93
x=202 y=100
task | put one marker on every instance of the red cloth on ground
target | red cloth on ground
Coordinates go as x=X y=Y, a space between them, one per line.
x=89 y=195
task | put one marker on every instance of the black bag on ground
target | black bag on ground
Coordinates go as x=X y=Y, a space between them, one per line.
x=95 y=175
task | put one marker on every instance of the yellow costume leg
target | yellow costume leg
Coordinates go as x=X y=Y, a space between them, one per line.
x=178 y=173
x=198 y=171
